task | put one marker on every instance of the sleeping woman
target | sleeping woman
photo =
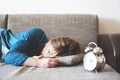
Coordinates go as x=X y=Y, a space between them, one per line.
x=32 y=48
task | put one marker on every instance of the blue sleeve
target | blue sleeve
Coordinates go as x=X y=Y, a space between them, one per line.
x=15 y=58
x=17 y=53
x=37 y=37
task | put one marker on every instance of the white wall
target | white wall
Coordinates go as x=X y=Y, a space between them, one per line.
x=107 y=10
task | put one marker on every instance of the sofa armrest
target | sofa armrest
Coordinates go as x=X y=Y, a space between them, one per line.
x=110 y=43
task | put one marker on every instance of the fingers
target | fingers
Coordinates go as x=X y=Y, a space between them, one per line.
x=52 y=63
x=47 y=62
x=38 y=57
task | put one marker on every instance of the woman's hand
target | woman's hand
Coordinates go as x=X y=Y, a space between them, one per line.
x=47 y=62
x=40 y=61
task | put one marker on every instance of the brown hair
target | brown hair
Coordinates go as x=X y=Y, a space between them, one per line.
x=65 y=46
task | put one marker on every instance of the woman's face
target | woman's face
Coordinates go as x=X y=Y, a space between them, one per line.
x=48 y=50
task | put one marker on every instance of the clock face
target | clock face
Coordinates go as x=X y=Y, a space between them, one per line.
x=90 y=61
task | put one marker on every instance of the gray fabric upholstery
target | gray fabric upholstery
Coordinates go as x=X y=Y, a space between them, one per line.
x=83 y=28
x=3 y=21
x=60 y=73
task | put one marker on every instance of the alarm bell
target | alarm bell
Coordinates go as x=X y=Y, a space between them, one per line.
x=92 y=46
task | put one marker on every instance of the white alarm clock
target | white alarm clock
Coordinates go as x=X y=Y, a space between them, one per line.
x=94 y=59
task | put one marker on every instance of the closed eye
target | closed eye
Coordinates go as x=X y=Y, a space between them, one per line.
x=48 y=51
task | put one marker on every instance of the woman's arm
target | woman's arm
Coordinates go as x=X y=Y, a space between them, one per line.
x=70 y=60
x=40 y=61
x=17 y=55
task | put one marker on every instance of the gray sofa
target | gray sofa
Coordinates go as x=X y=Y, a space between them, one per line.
x=82 y=27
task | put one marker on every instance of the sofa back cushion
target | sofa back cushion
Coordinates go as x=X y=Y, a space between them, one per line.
x=3 y=21
x=81 y=27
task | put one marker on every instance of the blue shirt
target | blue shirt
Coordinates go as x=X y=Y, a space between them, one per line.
x=22 y=45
